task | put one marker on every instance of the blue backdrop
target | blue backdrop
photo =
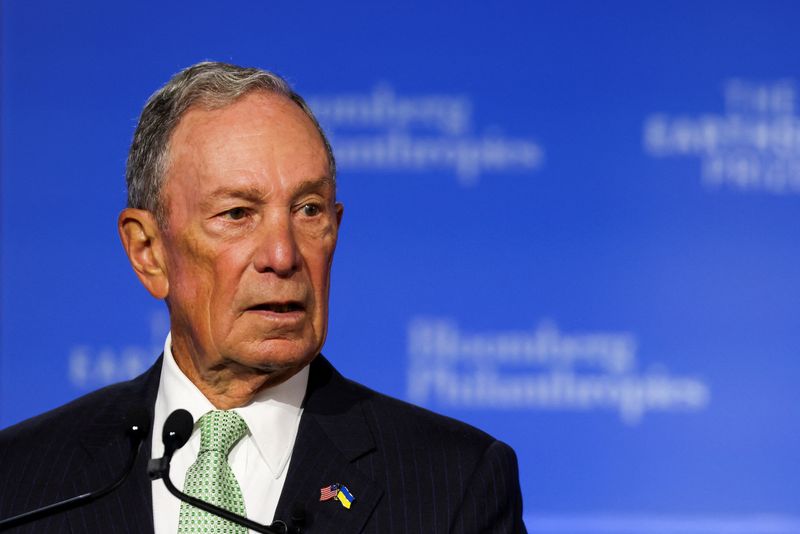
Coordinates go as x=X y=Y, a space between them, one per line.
x=572 y=224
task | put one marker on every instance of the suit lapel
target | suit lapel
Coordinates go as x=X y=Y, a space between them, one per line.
x=333 y=434
x=130 y=507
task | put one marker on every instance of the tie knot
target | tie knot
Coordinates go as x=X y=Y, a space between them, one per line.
x=220 y=430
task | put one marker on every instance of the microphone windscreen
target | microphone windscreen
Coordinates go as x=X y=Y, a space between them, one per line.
x=137 y=422
x=177 y=430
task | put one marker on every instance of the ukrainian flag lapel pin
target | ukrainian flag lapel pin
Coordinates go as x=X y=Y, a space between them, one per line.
x=345 y=497
x=337 y=492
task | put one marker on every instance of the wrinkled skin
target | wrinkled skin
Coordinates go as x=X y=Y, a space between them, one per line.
x=244 y=260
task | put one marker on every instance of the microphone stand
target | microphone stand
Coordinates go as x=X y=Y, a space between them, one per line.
x=280 y=528
x=137 y=433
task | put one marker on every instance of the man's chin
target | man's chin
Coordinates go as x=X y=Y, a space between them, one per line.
x=276 y=355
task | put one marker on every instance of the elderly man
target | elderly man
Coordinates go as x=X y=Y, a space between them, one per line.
x=232 y=219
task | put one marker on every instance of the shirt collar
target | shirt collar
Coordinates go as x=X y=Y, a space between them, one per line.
x=272 y=416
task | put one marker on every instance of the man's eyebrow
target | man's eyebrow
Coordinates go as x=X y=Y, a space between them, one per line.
x=250 y=194
x=309 y=186
x=255 y=195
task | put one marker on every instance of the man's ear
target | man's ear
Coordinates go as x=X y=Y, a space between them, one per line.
x=141 y=239
x=339 y=212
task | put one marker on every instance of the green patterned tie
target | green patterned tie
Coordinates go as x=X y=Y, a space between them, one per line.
x=210 y=477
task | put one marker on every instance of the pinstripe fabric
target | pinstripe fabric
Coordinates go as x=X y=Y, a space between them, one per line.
x=75 y=449
x=410 y=470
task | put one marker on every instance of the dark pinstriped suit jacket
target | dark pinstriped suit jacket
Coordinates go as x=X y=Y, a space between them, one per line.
x=410 y=470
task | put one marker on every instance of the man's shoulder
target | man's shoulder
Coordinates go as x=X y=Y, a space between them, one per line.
x=70 y=450
x=400 y=424
x=69 y=421
x=420 y=422
x=72 y=416
x=460 y=477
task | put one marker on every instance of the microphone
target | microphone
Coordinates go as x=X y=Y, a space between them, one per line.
x=177 y=430
x=136 y=425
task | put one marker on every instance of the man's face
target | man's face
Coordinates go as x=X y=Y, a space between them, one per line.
x=251 y=230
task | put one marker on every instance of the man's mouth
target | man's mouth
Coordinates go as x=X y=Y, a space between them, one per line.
x=278 y=307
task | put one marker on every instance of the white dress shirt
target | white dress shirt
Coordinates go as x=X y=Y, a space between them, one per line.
x=259 y=460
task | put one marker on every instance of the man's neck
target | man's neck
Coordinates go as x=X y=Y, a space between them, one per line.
x=229 y=385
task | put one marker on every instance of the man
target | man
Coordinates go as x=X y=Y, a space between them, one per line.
x=233 y=221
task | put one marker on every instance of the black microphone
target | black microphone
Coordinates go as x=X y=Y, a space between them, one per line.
x=177 y=429
x=136 y=425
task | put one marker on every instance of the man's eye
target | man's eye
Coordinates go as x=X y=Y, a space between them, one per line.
x=310 y=210
x=235 y=214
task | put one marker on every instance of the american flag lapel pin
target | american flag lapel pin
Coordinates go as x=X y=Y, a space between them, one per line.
x=328 y=492
x=337 y=492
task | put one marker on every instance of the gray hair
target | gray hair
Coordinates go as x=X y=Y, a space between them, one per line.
x=211 y=85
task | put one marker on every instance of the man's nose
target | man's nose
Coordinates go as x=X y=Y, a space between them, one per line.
x=276 y=247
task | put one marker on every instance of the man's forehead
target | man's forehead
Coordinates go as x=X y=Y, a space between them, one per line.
x=256 y=109
x=257 y=125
